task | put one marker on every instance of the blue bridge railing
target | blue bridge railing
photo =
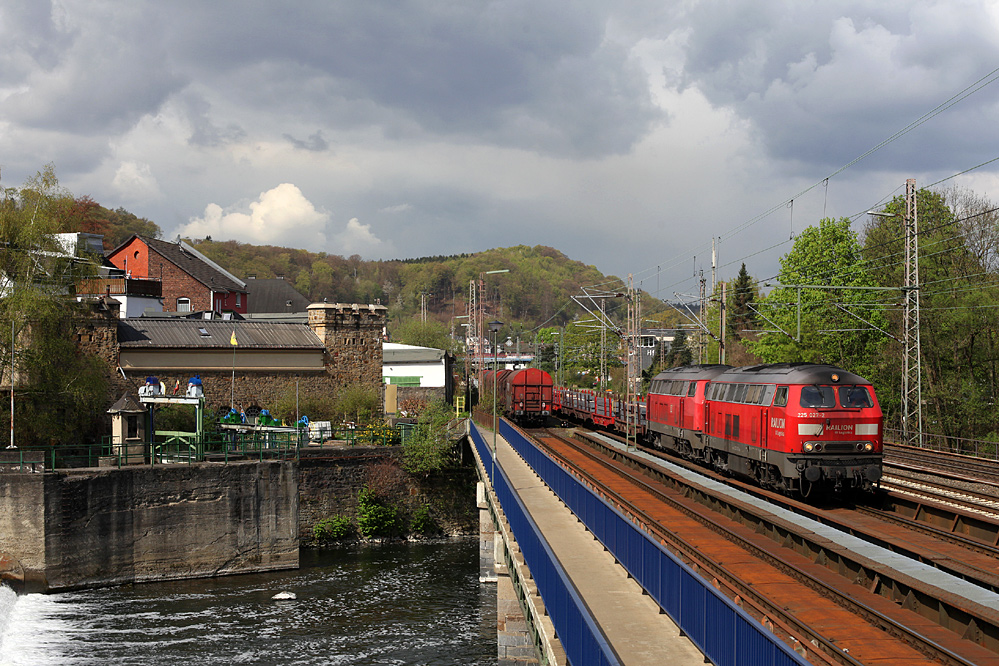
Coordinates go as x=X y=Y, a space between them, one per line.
x=725 y=633
x=584 y=643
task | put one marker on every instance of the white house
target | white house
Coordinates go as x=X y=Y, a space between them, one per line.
x=411 y=366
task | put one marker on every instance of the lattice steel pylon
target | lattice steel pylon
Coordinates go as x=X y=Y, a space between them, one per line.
x=474 y=340
x=912 y=384
x=633 y=350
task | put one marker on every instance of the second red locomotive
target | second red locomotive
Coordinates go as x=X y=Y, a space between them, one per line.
x=797 y=427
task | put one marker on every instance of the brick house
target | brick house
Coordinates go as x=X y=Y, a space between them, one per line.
x=191 y=281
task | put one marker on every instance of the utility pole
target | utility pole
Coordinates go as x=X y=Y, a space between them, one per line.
x=423 y=305
x=603 y=347
x=912 y=398
x=700 y=329
x=474 y=347
x=634 y=349
x=714 y=264
x=721 y=327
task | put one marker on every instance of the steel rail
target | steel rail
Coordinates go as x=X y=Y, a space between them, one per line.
x=794 y=632
x=836 y=560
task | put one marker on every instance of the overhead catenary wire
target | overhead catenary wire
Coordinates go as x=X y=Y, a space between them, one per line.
x=969 y=90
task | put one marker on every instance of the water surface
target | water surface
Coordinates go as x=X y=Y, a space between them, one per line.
x=382 y=604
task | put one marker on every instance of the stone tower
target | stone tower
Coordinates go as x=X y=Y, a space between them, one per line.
x=352 y=335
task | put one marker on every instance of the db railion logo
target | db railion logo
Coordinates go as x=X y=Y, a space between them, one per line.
x=776 y=423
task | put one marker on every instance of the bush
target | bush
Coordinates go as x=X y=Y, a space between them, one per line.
x=374 y=517
x=429 y=449
x=423 y=523
x=333 y=529
x=378 y=433
x=357 y=403
x=176 y=418
x=316 y=407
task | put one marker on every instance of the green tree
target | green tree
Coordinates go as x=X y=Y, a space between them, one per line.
x=424 y=334
x=357 y=403
x=60 y=394
x=743 y=293
x=429 y=449
x=679 y=352
x=840 y=326
x=959 y=332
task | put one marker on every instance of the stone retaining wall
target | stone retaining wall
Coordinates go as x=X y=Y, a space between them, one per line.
x=115 y=526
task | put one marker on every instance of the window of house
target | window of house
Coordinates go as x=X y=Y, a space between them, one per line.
x=183 y=305
x=237 y=298
x=132 y=426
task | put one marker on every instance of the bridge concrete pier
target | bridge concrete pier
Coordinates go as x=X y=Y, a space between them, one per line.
x=488 y=539
x=524 y=632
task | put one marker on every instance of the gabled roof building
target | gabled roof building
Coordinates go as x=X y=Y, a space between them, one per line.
x=274 y=296
x=190 y=280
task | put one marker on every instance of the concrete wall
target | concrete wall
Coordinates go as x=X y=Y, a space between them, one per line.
x=22 y=525
x=142 y=524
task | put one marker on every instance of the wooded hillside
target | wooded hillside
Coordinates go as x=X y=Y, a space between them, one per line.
x=537 y=290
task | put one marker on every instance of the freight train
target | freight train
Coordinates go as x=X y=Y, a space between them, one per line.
x=801 y=428
x=526 y=395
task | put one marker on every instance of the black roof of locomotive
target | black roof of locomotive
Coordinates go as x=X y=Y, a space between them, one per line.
x=687 y=372
x=792 y=373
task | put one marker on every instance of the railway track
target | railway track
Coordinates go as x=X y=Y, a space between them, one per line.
x=958 y=468
x=794 y=580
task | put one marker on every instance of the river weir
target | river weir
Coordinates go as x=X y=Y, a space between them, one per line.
x=381 y=604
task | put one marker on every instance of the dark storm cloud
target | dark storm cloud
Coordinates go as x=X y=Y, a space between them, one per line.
x=89 y=71
x=314 y=143
x=536 y=75
x=823 y=82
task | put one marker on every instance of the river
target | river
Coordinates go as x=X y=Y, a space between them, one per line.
x=378 y=604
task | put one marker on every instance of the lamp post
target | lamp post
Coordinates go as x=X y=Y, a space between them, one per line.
x=494 y=327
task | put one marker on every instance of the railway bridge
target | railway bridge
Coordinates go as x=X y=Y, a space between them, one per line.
x=578 y=582
x=759 y=579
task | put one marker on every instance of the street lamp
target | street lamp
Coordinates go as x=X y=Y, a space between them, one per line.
x=494 y=327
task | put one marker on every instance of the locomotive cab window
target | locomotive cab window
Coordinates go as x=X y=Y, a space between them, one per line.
x=855 y=397
x=780 y=397
x=817 y=397
x=692 y=389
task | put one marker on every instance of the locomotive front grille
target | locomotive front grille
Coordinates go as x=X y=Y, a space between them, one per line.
x=841 y=447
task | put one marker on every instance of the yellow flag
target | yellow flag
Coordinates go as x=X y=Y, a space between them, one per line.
x=232 y=340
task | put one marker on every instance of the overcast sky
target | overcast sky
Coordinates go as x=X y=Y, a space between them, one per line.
x=626 y=135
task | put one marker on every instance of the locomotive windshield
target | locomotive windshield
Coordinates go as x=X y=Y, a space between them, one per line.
x=824 y=397
x=818 y=397
x=856 y=397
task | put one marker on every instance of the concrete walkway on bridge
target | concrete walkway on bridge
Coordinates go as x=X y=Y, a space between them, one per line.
x=632 y=622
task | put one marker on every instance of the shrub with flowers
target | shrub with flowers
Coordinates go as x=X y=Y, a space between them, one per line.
x=378 y=434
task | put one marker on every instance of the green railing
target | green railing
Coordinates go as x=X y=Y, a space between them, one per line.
x=185 y=448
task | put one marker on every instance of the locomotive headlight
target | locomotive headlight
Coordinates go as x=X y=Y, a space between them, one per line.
x=809 y=447
x=868 y=447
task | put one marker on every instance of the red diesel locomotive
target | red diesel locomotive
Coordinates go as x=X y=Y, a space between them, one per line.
x=796 y=427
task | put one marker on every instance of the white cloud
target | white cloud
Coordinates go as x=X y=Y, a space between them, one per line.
x=281 y=216
x=134 y=181
x=357 y=238
x=400 y=208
